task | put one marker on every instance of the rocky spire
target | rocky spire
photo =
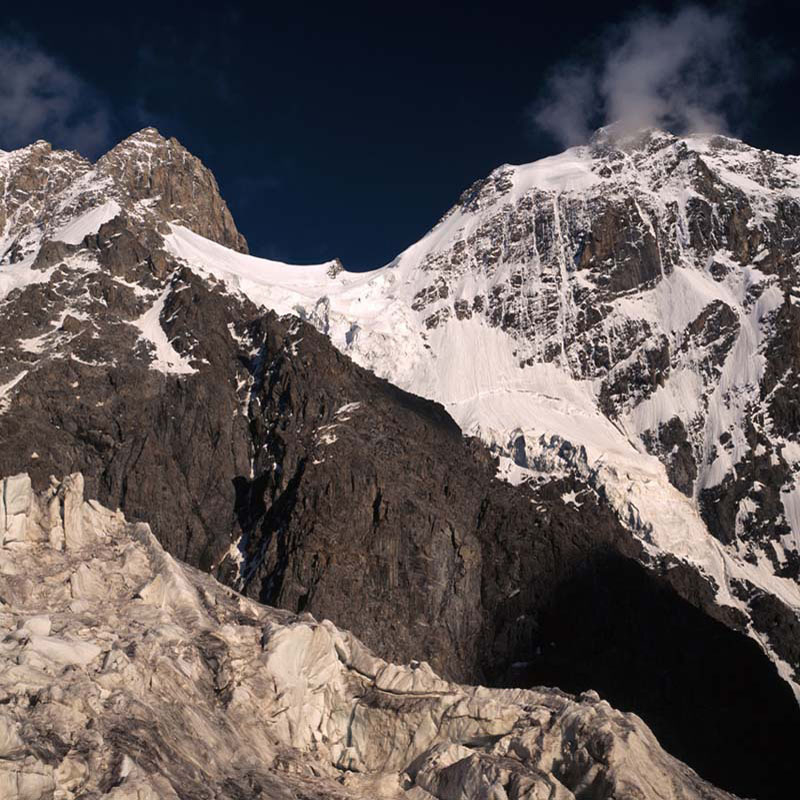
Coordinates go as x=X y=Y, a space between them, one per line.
x=174 y=183
x=151 y=179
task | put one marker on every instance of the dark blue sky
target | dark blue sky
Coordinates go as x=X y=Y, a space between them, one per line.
x=347 y=130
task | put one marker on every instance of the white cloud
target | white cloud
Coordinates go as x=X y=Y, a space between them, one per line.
x=677 y=72
x=40 y=98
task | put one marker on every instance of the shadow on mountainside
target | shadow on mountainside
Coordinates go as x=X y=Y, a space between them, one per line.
x=708 y=693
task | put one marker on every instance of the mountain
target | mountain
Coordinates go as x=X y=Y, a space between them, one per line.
x=129 y=676
x=611 y=328
x=625 y=312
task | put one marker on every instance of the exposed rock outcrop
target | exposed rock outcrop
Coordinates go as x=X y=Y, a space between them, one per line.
x=173 y=183
x=660 y=271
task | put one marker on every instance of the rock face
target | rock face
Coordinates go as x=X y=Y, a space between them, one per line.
x=112 y=652
x=662 y=271
x=140 y=354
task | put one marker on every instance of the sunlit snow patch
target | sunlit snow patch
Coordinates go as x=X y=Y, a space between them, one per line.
x=87 y=224
x=20 y=275
x=6 y=389
x=165 y=358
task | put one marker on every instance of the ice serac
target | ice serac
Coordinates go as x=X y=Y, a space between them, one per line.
x=100 y=690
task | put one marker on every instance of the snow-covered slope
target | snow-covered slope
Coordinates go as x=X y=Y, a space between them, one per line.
x=623 y=311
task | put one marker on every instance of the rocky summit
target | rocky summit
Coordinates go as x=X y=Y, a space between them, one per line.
x=554 y=443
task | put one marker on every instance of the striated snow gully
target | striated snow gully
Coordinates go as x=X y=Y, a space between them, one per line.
x=127 y=675
x=616 y=325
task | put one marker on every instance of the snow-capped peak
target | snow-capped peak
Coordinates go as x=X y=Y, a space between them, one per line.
x=614 y=311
